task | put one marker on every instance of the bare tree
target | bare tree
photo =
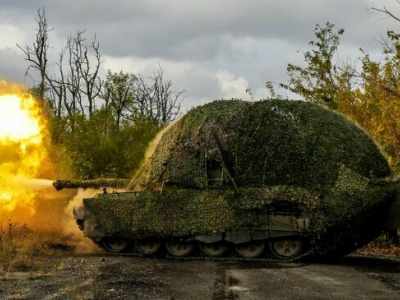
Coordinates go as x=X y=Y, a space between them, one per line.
x=158 y=101
x=77 y=84
x=387 y=12
x=57 y=91
x=37 y=53
x=86 y=61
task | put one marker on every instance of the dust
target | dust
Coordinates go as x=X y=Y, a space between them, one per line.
x=154 y=143
x=141 y=175
x=70 y=229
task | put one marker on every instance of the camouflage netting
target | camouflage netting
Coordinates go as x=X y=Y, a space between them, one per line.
x=91 y=184
x=340 y=222
x=265 y=143
x=263 y=153
x=202 y=135
x=186 y=212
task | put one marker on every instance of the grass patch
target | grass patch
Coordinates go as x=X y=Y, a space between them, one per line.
x=20 y=246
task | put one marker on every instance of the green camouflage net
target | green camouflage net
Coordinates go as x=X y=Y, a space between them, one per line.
x=300 y=143
x=189 y=212
x=265 y=143
x=91 y=184
x=266 y=153
x=205 y=133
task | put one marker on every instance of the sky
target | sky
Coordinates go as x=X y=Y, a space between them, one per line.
x=211 y=49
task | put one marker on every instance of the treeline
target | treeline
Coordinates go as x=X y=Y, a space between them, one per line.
x=100 y=127
x=365 y=90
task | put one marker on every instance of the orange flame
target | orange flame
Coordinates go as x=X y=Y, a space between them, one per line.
x=22 y=148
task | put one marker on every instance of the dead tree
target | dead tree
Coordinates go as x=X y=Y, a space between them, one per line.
x=36 y=54
x=76 y=84
x=387 y=12
x=86 y=61
x=157 y=100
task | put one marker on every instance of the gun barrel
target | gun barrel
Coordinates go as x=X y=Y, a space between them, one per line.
x=94 y=184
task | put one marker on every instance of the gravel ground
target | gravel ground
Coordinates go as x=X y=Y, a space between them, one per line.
x=111 y=277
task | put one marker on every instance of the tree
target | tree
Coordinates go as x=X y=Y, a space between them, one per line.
x=157 y=100
x=85 y=60
x=317 y=82
x=77 y=84
x=107 y=140
x=96 y=148
x=37 y=53
x=119 y=95
x=369 y=96
x=130 y=97
x=387 y=12
x=379 y=98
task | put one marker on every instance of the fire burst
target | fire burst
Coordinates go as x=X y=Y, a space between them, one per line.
x=22 y=148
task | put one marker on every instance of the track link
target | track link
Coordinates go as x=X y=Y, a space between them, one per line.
x=231 y=257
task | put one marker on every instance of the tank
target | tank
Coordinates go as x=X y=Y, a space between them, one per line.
x=279 y=178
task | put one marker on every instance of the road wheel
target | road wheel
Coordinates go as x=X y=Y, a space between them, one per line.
x=115 y=244
x=214 y=249
x=178 y=248
x=250 y=250
x=147 y=247
x=286 y=248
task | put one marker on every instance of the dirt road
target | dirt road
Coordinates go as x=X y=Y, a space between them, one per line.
x=108 y=277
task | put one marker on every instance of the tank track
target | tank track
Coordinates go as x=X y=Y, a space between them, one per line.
x=197 y=255
x=216 y=259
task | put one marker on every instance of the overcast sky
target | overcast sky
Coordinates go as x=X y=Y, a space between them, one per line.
x=212 y=49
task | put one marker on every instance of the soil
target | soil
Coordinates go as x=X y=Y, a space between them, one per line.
x=113 y=277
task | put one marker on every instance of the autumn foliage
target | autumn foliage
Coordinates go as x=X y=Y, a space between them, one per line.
x=369 y=94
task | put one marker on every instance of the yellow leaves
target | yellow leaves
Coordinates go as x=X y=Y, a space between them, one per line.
x=376 y=108
x=380 y=247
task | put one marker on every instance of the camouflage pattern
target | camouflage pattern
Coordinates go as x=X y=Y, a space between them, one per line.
x=336 y=222
x=265 y=143
x=245 y=171
x=92 y=184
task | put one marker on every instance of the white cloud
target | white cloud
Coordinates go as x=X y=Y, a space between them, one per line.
x=13 y=66
x=200 y=84
x=10 y=35
x=211 y=49
x=232 y=86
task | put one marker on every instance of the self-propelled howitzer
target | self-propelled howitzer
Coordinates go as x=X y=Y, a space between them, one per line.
x=236 y=177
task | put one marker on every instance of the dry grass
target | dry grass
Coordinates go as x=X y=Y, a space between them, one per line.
x=15 y=253
x=19 y=247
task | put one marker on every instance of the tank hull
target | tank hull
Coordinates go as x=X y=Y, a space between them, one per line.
x=259 y=215
x=289 y=174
